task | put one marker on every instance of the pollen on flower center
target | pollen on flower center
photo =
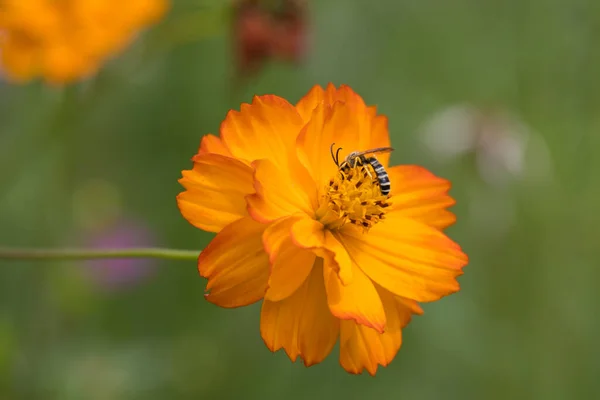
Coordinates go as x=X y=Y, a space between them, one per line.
x=353 y=196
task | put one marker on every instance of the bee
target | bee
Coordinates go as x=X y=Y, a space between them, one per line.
x=360 y=158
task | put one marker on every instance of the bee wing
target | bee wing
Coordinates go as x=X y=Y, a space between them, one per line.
x=374 y=151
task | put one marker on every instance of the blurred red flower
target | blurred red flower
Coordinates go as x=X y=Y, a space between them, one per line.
x=262 y=33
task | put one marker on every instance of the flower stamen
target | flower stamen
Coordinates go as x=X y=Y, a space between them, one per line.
x=353 y=196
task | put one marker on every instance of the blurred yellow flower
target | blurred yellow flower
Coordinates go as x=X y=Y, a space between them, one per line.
x=330 y=255
x=64 y=40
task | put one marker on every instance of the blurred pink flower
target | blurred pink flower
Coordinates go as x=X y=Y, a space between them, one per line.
x=114 y=274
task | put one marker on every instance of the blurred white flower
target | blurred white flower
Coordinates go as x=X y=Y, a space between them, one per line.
x=505 y=148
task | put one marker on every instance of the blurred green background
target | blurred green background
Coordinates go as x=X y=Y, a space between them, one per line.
x=97 y=164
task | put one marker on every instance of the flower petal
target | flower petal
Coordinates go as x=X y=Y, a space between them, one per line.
x=341 y=262
x=344 y=124
x=317 y=96
x=301 y=324
x=290 y=265
x=236 y=265
x=362 y=347
x=213 y=144
x=280 y=192
x=419 y=194
x=380 y=136
x=267 y=128
x=337 y=116
x=308 y=233
x=20 y=59
x=357 y=301
x=406 y=257
x=216 y=191
x=310 y=101
x=412 y=306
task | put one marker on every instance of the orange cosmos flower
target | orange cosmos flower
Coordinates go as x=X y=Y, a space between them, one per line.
x=63 y=40
x=330 y=255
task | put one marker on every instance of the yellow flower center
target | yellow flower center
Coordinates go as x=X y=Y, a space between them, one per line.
x=353 y=196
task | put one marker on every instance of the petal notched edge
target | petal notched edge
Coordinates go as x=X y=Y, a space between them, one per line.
x=310 y=101
x=357 y=301
x=407 y=257
x=301 y=324
x=363 y=348
x=265 y=129
x=213 y=144
x=215 y=192
x=417 y=193
x=236 y=265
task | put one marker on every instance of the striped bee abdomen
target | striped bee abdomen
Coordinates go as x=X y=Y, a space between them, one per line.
x=382 y=175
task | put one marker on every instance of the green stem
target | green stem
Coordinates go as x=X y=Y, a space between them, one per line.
x=8 y=253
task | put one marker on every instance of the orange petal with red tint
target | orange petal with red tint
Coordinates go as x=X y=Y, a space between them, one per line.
x=380 y=136
x=301 y=324
x=236 y=265
x=290 y=265
x=357 y=301
x=310 y=102
x=213 y=144
x=343 y=124
x=372 y=130
x=407 y=257
x=344 y=94
x=419 y=194
x=362 y=347
x=216 y=191
x=405 y=304
x=317 y=96
x=267 y=128
x=278 y=194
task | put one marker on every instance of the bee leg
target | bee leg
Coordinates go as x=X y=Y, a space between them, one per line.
x=365 y=166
